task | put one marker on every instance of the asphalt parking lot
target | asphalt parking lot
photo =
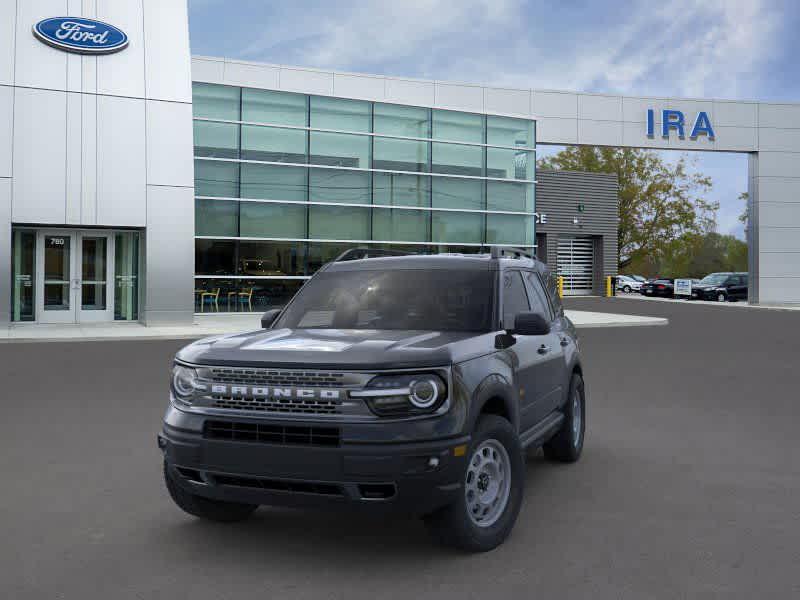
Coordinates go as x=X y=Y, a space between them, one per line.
x=689 y=486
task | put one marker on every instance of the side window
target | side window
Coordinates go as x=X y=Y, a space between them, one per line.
x=537 y=295
x=515 y=300
x=551 y=285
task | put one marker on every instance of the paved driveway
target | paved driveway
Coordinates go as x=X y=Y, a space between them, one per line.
x=689 y=486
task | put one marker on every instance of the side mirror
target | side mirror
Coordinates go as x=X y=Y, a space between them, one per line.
x=268 y=318
x=530 y=323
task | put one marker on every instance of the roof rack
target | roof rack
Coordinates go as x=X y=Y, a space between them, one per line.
x=510 y=252
x=360 y=253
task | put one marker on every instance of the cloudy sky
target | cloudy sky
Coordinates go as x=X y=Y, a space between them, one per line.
x=740 y=49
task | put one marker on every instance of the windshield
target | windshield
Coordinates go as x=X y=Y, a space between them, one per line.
x=714 y=279
x=436 y=300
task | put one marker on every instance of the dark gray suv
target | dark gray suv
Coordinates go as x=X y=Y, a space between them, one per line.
x=404 y=383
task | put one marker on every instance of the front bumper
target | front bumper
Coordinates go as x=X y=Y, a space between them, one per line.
x=414 y=477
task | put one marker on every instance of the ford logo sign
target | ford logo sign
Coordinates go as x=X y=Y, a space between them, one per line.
x=84 y=36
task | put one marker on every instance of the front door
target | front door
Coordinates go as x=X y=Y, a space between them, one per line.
x=73 y=271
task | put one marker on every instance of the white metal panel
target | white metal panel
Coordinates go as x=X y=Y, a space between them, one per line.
x=358 y=86
x=575 y=262
x=779 y=214
x=779 y=115
x=37 y=64
x=169 y=143
x=779 y=239
x=778 y=164
x=777 y=190
x=39 y=156
x=89 y=159
x=600 y=133
x=738 y=139
x=6 y=127
x=635 y=135
x=307 y=81
x=634 y=109
x=464 y=97
x=122 y=73
x=779 y=290
x=206 y=69
x=8 y=23
x=166 y=35
x=599 y=108
x=74 y=158
x=121 y=169
x=408 y=91
x=507 y=102
x=556 y=131
x=780 y=140
x=735 y=114
x=779 y=264
x=555 y=104
x=250 y=75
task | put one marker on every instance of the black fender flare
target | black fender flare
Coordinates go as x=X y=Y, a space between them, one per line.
x=494 y=386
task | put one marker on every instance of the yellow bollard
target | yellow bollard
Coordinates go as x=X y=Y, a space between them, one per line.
x=608 y=287
x=560 y=286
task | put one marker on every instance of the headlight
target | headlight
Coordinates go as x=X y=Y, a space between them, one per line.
x=184 y=383
x=403 y=395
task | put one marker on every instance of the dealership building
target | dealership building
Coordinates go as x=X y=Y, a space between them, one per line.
x=139 y=183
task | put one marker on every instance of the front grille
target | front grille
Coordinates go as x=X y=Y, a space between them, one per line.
x=278 y=405
x=272 y=434
x=280 y=485
x=268 y=377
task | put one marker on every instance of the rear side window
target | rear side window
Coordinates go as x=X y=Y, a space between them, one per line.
x=551 y=287
x=537 y=295
x=515 y=300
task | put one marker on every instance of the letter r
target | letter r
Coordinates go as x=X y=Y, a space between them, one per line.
x=672 y=119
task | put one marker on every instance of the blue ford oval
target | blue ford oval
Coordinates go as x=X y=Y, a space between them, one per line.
x=76 y=34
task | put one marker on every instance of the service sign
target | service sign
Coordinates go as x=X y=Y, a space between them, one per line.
x=84 y=36
x=683 y=287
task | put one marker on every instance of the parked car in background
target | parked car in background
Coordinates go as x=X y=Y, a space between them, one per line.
x=627 y=284
x=638 y=278
x=662 y=288
x=721 y=287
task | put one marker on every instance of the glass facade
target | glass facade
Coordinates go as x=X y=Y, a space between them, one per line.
x=285 y=182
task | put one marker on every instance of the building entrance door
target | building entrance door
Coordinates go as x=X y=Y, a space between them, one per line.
x=576 y=264
x=74 y=272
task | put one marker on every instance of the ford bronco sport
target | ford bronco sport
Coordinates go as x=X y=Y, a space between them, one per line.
x=412 y=383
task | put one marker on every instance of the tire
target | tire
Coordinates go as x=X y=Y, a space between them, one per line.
x=457 y=525
x=721 y=297
x=205 y=508
x=566 y=445
x=627 y=289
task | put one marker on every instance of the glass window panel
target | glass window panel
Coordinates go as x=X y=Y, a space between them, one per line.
x=457 y=159
x=220 y=140
x=457 y=126
x=400 y=155
x=211 y=295
x=273 y=144
x=401 y=190
x=23 y=260
x=337 y=113
x=126 y=276
x=514 y=230
x=281 y=108
x=57 y=272
x=506 y=195
x=401 y=225
x=509 y=164
x=452 y=192
x=266 y=293
x=336 y=185
x=215 y=178
x=407 y=121
x=320 y=253
x=339 y=222
x=216 y=217
x=273 y=182
x=93 y=273
x=339 y=150
x=215 y=101
x=457 y=227
x=262 y=219
x=272 y=258
x=507 y=131
x=214 y=257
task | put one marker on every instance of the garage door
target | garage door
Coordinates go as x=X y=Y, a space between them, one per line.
x=576 y=264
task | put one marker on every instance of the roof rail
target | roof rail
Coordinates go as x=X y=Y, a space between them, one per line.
x=510 y=252
x=360 y=253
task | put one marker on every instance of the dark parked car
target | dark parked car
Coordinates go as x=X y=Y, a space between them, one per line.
x=663 y=288
x=410 y=383
x=721 y=287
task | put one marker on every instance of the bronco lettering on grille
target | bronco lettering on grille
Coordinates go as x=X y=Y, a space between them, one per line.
x=274 y=392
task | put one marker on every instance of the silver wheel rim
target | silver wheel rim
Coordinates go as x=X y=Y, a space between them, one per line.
x=721 y=298
x=487 y=485
x=577 y=418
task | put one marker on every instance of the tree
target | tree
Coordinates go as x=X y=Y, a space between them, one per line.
x=659 y=202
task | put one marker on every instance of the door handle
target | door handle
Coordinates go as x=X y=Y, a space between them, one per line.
x=543 y=349
x=564 y=341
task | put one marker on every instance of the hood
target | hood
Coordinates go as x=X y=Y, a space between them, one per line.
x=338 y=348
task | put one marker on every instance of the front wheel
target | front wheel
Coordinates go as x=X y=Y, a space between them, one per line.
x=567 y=444
x=493 y=481
x=627 y=289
